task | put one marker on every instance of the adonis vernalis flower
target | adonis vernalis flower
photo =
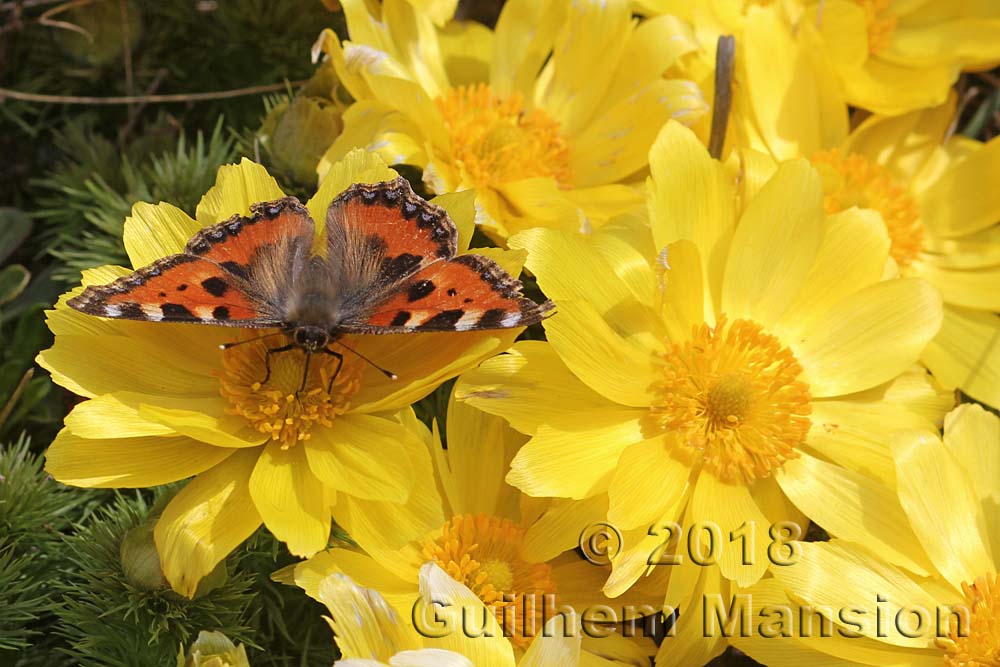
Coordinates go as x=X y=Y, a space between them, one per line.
x=734 y=361
x=934 y=599
x=890 y=57
x=370 y=633
x=164 y=403
x=515 y=556
x=546 y=117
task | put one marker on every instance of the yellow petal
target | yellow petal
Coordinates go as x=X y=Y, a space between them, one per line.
x=360 y=567
x=854 y=432
x=384 y=527
x=967 y=40
x=365 y=626
x=558 y=529
x=730 y=512
x=523 y=39
x=966 y=353
x=690 y=643
x=569 y=267
x=237 y=186
x=554 y=646
x=944 y=509
x=648 y=481
x=358 y=166
x=415 y=39
x=855 y=508
x=204 y=419
x=455 y=602
x=891 y=90
x=852 y=255
x=868 y=337
x=362 y=455
x=976 y=288
x=203 y=523
x=540 y=467
x=125 y=364
x=421 y=362
x=964 y=200
x=814 y=117
x=690 y=197
x=681 y=291
x=966 y=430
x=294 y=505
x=840 y=575
x=775 y=245
x=106 y=415
x=472 y=467
x=517 y=386
x=616 y=144
x=843 y=27
x=610 y=364
x=128 y=462
x=466 y=48
x=155 y=231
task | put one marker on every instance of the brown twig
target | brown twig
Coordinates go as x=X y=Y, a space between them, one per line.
x=147 y=99
x=725 y=56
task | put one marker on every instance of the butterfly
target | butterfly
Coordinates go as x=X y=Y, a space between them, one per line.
x=389 y=267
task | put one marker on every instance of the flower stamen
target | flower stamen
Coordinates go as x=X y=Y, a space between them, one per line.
x=978 y=643
x=282 y=408
x=495 y=140
x=732 y=396
x=484 y=553
x=853 y=180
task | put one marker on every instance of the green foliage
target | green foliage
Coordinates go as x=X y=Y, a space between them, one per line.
x=87 y=198
x=35 y=512
x=109 y=619
x=291 y=631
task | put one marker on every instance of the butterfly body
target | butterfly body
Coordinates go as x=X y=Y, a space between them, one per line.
x=388 y=265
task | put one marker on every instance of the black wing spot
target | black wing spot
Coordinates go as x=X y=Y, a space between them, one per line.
x=491 y=318
x=220 y=313
x=446 y=319
x=176 y=311
x=419 y=290
x=236 y=269
x=396 y=268
x=215 y=286
x=132 y=311
x=401 y=318
x=467 y=300
x=452 y=291
x=182 y=287
x=162 y=294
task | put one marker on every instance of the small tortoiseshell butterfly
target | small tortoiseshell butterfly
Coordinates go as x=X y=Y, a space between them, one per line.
x=389 y=267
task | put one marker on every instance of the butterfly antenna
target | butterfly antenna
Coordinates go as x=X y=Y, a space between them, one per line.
x=226 y=346
x=389 y=374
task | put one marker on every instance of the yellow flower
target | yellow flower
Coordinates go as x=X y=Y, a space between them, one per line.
x=370 y=633
x=213 y=649
x=546 y=117
x=934 y=598
x=714 y=370
x=890 y=56
x=165 y=403
x=514 y=553
x=934 y=192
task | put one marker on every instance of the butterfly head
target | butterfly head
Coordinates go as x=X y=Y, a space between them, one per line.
x=311 y=338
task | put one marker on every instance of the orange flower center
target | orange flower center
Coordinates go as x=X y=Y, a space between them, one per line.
x=281 y=407
x=733 y=396
x=980 y=645
x=853 y=180
x=495 y=140
x=484 y=553
x=881 y=24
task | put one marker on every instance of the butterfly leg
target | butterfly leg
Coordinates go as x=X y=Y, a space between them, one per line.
x=267 y=359
x=340 y=363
